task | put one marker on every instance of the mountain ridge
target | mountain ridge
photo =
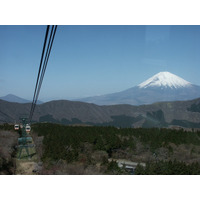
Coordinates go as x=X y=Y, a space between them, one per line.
x=162 y=114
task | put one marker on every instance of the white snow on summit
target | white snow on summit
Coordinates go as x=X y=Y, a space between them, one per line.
x=165 y=79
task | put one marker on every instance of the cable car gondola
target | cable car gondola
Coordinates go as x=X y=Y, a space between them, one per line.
x=16 y=126
x=28 y=128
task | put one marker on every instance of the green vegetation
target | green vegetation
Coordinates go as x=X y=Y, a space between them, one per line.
x=68 y=142
x=157 y=138
x=194 y=108
x=6 y=166
x=122 y=121
x=6 y=127
x=112 y=168
x=168 y=168
x=48 y=118
x=155 y=119
x=117 y=121
x=152 y=119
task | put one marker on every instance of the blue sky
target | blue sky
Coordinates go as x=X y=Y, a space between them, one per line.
x=95 y=60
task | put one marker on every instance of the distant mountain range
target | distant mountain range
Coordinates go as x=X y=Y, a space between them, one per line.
x=163 y=86
x=14 y=98
x=163 y=114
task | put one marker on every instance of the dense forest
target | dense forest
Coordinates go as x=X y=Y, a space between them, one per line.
x=109 y=138
x=159 y=148
x=168 y=168
x=65 y=149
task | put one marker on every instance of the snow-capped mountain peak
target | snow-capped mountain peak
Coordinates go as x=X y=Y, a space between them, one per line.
x=163 y=86
x=165 y=79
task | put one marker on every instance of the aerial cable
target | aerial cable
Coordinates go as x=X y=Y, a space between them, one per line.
x=44 y=65
x=46 y=58
x=43 y=70
x=44 y=46
x=48 y=51
x=41 y=76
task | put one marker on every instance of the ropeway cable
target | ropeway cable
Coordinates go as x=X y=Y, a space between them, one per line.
x=44 y=46
x=52 y=35
x=42 y=67
x=53 y=31
x=38 y=87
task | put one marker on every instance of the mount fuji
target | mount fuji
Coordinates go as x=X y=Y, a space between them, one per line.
x=163 y=86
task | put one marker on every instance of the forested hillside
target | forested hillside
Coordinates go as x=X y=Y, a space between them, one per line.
x=166 y=114
x=95 y=150
x=86 y=150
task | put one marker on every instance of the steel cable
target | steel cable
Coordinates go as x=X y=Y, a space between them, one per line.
x=43 y=65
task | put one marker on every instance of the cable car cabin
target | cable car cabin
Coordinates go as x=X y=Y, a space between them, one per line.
x=16 y=126
x=28 y=128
